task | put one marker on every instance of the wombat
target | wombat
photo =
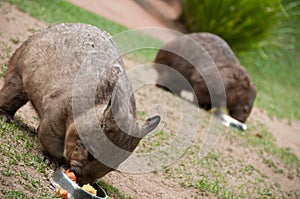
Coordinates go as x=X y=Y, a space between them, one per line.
x=74 y=77
x=184 y=54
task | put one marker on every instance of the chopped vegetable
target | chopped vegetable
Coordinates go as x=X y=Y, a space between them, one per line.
x=90 y=189
x=62 y=193
x=71 y=175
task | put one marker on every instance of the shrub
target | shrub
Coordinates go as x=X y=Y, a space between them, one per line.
x=242 y=23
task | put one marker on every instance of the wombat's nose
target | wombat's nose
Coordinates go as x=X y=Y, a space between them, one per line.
x=240 y=118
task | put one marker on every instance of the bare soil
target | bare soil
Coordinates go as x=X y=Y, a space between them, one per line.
x=16 y=27
x=130 y=14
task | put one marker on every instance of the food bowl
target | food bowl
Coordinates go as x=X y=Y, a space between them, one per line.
x=61 y=180
x=231 y=122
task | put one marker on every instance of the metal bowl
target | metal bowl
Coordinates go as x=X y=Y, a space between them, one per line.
x=231 y=122
x=60 y=179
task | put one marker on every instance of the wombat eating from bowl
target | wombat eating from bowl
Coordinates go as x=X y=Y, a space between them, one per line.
x=74 y=77
x=184 y=54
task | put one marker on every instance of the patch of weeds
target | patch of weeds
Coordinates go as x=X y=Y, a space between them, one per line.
x=141 y=115
x=22 y=167
x=280 y=160
x=262 y=140
x=272 y=165
x=3 y=70
x=248 y=169
x=155 y=141
x=204 y=184
x=112 y=191
x=224 y=175
x=6 y=49
x=206 y=177
x=15 y=40
x=32 y=30
x=215 y=155
x=265 y=141
x=265 y=192
x=14 y=194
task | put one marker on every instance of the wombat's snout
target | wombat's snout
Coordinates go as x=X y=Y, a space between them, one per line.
x=240 y=116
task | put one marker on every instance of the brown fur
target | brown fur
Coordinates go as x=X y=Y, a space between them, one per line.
x=43 y=70
x=240 y=90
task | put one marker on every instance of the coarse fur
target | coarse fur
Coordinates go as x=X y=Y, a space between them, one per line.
x=183 y=55
x=58 y=69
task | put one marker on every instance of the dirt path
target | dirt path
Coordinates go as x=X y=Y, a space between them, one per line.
x=232 y=156
x=131 y=15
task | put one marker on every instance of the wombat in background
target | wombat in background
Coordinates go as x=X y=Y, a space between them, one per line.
x=183 y=55
x=60 y=68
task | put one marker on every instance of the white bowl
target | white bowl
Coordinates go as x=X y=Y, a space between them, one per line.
x=231 y=122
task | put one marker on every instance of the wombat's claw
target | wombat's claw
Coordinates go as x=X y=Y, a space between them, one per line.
x=52 y=161
x=6 y=118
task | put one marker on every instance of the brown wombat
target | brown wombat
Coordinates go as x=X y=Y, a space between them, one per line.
x=185 y=54
x=75 y=78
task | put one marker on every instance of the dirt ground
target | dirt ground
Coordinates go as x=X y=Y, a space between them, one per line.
x=16 y=26
x=130 y=14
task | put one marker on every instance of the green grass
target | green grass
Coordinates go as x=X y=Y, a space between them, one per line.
x=265 y=141
x=58 y=11
x=204 y=184
x=260 y=139
x=215 y=176
x=214 y=173
x=276 y=73
x=154 y=142
x=112 y=191
x=20 y=160
x=276 y=68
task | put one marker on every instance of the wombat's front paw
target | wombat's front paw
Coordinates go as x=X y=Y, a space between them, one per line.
x=53 y=161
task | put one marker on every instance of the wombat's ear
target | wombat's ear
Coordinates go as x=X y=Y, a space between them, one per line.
x=108 y=111
x=149 y=125
x=110 y=77
x=246 y=82
x=243 y=79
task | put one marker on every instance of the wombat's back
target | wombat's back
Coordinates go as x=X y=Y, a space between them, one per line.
x=195 y=50
x=51 y=58
x=217 y=48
